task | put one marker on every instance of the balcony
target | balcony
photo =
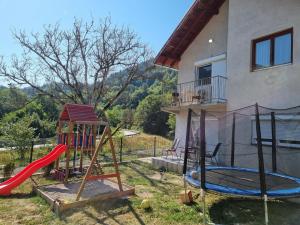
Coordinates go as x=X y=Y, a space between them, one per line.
x=203 y=93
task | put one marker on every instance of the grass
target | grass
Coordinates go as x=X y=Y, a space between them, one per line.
x=25 y=208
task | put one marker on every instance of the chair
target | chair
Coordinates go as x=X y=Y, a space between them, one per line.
x=191 y=151
x=173 y=149
x=212 y=155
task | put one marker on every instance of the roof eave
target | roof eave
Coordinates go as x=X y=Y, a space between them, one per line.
x=190 y=26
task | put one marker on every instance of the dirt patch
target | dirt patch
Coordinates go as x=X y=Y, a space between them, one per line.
x=157 y=176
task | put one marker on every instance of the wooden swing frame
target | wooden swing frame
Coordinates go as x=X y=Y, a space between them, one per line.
x=88 y=176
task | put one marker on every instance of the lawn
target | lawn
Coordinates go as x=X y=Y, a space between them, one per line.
x=26 y=208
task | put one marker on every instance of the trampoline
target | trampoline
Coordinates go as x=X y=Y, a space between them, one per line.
x=253 y=140
x=245 y=182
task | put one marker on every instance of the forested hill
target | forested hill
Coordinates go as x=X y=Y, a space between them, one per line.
x=138 y=107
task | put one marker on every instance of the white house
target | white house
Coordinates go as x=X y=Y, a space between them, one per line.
x=233 y=53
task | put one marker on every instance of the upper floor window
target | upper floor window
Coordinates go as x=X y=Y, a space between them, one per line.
x=272 y=50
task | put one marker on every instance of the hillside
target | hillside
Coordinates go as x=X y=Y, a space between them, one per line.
x=138 y=106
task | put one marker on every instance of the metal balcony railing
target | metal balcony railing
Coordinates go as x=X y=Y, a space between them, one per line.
x=203 y=91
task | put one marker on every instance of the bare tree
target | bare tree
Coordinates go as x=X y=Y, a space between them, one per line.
x=76 y=64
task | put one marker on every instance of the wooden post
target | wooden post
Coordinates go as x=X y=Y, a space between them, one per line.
x=121 y=148
x=59 y=134
x=154 y=147
x=94 y=132
x=31 y=151
x=76 y=147
x=90 y=141
x=113 y=152
x=71 y=126
x=274 y=147
x=89 y=170
x=82 y=148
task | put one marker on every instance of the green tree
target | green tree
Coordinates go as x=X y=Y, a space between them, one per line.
x=43 y=117
x=11 y=99
x=172 y=124
x=114 y=115
x=149 y=116
x=18 y=135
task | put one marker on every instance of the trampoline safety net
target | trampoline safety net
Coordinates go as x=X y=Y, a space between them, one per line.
x=250 y=151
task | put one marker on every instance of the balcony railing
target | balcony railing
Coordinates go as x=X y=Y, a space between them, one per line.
x=204 y=91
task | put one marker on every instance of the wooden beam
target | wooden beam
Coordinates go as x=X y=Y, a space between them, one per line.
x=102 y=177
x=71 y=126
x=111 y=143
x=82 y=148
x=59 y=135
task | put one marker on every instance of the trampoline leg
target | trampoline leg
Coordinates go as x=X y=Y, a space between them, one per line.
x=266 y=209
x=202 y=193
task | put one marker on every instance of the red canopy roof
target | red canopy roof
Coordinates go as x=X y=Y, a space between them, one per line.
x=191 y=25
x=78 y=113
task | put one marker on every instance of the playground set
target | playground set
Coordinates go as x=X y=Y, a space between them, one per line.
x=77 y=130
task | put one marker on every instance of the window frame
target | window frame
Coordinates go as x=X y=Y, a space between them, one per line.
x=197 y=74
x=281 y=143
x=272 y=38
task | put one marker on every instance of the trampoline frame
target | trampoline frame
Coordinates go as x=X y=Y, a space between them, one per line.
x=280 y=193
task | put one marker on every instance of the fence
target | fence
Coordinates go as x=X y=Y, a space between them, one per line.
x=127 y=148
x=139 y=146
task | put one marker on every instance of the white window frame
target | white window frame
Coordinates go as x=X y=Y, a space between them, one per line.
x=278 y=141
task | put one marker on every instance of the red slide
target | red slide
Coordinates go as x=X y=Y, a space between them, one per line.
x=7 y=186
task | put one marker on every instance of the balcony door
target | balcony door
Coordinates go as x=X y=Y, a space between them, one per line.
x=203 y=74
x=203 y=81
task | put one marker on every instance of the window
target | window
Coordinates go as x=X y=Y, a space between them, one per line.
x=272 y=50
x=287 y=131
x=203 y=75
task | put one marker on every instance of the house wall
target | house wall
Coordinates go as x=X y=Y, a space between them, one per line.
x=211 y=125
x=180 y=129
x=276 y=87
x=200 y=50
x=273 y=87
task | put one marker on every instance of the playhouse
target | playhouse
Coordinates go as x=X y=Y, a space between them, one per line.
x=81 y=136
x=77 y=129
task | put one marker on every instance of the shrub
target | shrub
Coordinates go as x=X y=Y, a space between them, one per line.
x=47 y=169
x=19 y=135
x=8 y=169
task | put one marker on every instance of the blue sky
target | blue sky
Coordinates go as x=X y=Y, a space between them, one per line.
x=152 y=20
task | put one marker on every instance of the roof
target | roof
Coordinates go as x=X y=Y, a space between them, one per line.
x=78 y=113
x=190 y=26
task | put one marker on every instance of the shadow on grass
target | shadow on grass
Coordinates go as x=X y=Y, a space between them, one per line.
x=107 y=211
x=19 y=196
x=151 y=181
x=250 y=211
